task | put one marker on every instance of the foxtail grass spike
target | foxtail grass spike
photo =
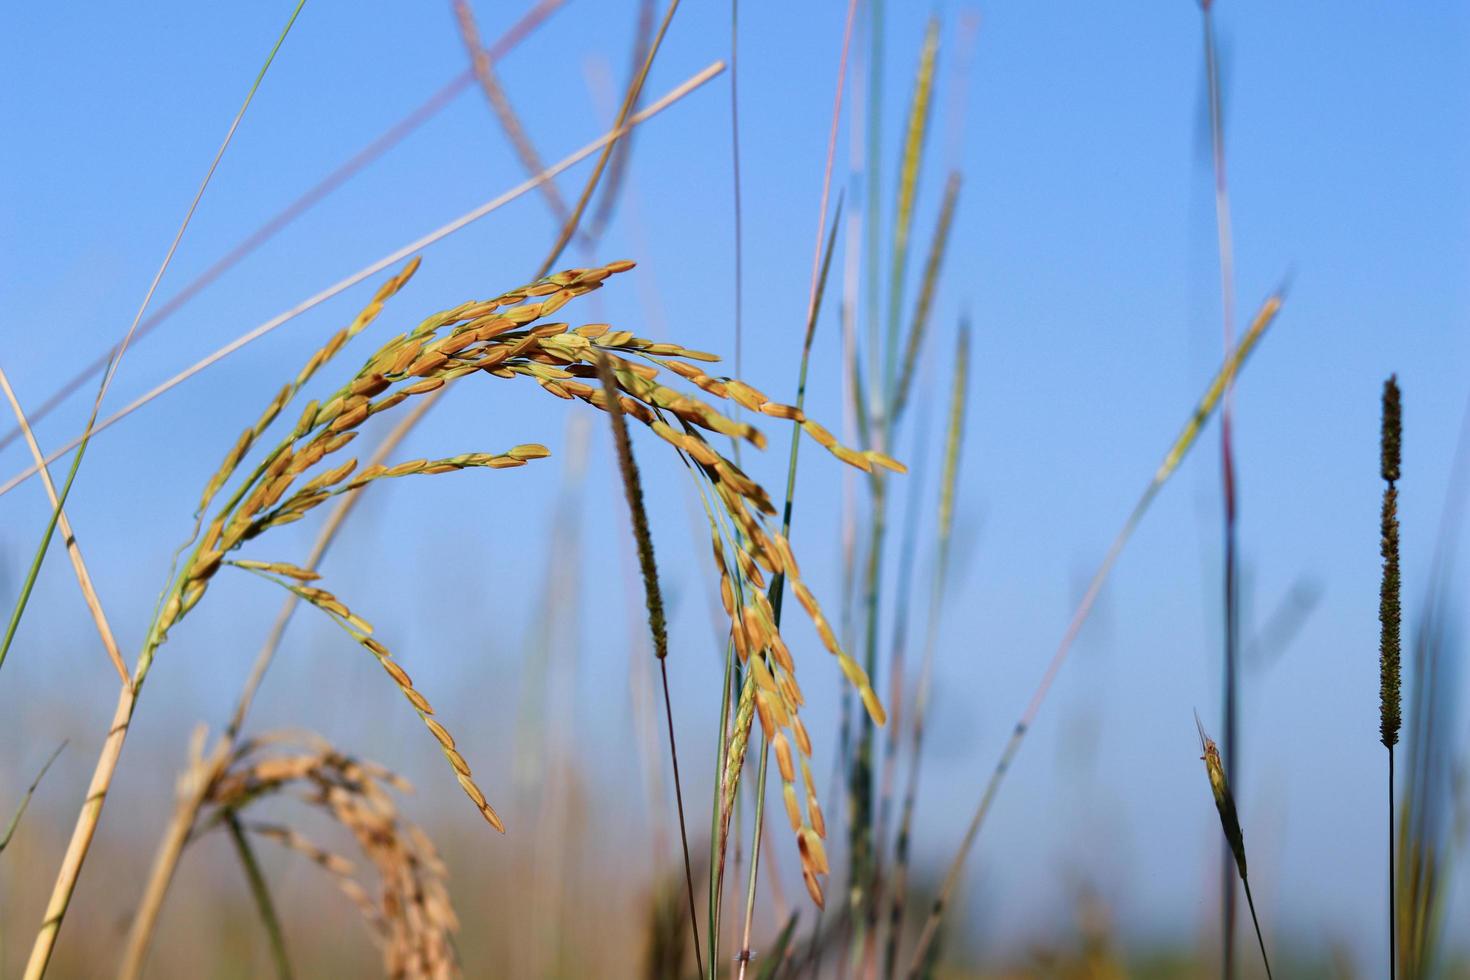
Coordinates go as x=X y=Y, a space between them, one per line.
x=1390 y=673
x=1388 y=598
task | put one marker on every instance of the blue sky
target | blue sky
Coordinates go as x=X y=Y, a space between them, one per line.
x=1084 y=252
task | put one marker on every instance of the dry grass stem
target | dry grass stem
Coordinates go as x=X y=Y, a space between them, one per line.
x=68 y=536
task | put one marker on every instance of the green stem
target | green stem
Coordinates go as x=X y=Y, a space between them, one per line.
x=262 y=896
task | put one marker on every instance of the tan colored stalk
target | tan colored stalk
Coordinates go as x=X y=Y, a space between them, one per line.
x=482 y=63
x=73 y=547
x=625 y=114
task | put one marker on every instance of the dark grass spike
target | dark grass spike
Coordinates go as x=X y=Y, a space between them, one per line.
x=1389 y=612
x=657 y=625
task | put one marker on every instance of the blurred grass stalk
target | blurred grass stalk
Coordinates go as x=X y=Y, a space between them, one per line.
x=879 y=416
x=1171 y=461
x=1433 y=791
x=1230 y=683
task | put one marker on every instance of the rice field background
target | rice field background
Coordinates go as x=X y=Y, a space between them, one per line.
x=1017 y=244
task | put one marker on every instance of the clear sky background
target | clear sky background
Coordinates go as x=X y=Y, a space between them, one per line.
x=1084 y=252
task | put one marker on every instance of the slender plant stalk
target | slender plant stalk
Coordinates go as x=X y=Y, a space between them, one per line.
x=73 y=548
x=735 y=185
x=1389 y=615
x=1171 y=461
x=394 y=258
x=25 y=800
x=318 y=192
x=630 y=101
x=482 y=64
x=1231 y=681
x=884 y=431
x=617 y=168
x=953 y=442
x=262 y=896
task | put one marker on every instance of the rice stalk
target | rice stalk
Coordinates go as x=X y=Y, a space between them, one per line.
x=924 y=306
x=1175 y=455
x=171 y=846
x=775 y=597
x=73 y=548
x=1230 y=824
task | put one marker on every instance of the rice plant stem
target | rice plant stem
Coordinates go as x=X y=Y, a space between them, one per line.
x=1181 y=446
x=755 y=853
x=261 y=894
x=74 y=550
x=717 y=856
